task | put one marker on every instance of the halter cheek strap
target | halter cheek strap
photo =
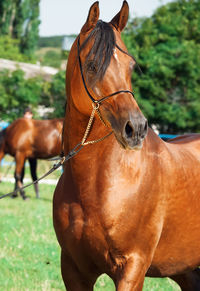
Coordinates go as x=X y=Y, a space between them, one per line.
x=99 y=101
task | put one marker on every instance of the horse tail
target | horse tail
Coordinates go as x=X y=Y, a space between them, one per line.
x=2 y=137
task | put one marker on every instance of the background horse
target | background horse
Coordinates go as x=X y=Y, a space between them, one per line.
x=128 y=204
x=30 y=139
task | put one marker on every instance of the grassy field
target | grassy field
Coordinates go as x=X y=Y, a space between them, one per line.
x=8 y=167
x=29 y=252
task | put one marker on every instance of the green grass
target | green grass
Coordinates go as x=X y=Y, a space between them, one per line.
x=29 y=252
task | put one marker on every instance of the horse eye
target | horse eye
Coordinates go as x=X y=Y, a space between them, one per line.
x=91 y=67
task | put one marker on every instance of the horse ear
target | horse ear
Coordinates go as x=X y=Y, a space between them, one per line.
x=92 y=18
x=120 y=20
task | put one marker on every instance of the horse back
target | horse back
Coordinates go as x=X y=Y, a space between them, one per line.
x=186 y=139
x=18 y=136
x=35 y=138
x=188 y=143
x=47 y=137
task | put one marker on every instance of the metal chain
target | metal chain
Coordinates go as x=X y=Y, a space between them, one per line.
x=101 y=118
x=95 y=107
x=84 y=142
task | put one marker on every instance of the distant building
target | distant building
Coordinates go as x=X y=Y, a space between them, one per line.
x=67 y=42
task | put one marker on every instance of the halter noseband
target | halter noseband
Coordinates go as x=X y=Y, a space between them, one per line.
x=84 y=83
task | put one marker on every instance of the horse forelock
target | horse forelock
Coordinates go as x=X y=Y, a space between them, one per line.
x=102 y=49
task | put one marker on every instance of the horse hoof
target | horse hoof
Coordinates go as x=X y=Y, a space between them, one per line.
x=14 y=196
x=25 y=197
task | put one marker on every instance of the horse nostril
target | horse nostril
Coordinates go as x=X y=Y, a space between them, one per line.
x=129 y=129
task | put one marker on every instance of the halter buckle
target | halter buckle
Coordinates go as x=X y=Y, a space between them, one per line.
x=95 y=106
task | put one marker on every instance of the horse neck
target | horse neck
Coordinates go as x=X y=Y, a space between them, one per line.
x=103 y=152
x=76 y=124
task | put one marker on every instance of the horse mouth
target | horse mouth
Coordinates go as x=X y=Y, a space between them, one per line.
x=134 y=144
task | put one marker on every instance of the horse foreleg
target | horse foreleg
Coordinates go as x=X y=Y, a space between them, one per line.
x=22 y=174
x=131 y=278
x=20 y=161
x=73 y=279
x=33 y=167
x=189 y=281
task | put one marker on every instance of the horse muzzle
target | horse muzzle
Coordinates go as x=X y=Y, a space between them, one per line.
x=133 y=133
x=130 y=132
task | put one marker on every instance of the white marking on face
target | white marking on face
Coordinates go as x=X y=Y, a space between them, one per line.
x=120 y=73
x=97 y=91
x=115 y=55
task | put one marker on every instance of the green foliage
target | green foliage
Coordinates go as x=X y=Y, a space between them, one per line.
x=58 y=93
x=9 y=49
x=17 y=93
x=54 y=95
x=7 y=13
x=29 y=38
x=167 y=47
x=52 y=58
x=50 y=41
x=19 y=19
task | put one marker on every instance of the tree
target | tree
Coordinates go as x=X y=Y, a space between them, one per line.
x=19 y=19
x=54 y=96
x=167 y=47
x=29 y=38
x=9 y=49
x=17 y=93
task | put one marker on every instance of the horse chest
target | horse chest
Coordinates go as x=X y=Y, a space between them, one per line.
x=108 y=219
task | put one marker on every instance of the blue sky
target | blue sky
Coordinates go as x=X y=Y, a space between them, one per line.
x=61 y=17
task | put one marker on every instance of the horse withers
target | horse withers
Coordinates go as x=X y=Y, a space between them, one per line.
x=128 y=203
x=30 y=139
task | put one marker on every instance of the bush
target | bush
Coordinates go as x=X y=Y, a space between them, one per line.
x=17 y=93
x=51 y=58
x=167 y=47
x=9 y=49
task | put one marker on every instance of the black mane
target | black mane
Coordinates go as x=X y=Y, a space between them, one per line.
x=102 y=50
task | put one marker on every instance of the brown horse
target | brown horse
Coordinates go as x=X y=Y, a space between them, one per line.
x=30 y=139
x=129 y=203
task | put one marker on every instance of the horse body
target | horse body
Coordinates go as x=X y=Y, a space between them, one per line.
x=31 y=139
x=110 y=217
x=127 y=213
x=180 y=186
x=32 y=136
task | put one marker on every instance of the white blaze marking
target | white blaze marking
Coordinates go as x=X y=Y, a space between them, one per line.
x=115 y=55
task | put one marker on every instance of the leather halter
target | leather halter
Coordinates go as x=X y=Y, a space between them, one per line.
x=95 y=101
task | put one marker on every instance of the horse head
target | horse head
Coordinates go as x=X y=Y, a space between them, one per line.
x=99 y=71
